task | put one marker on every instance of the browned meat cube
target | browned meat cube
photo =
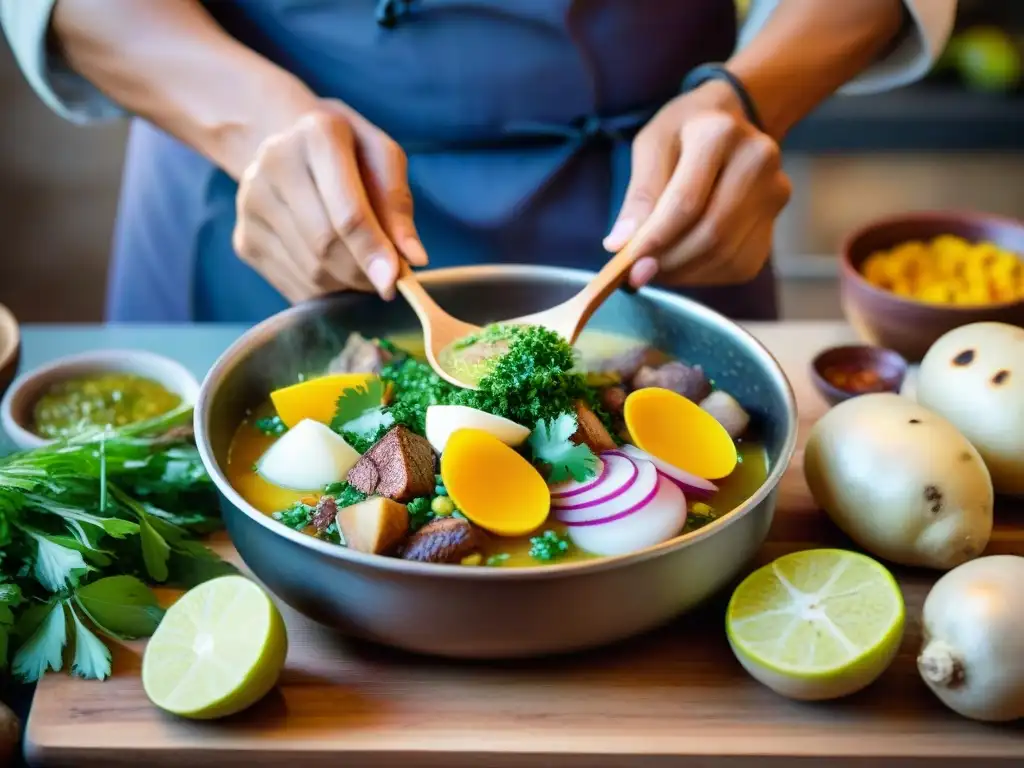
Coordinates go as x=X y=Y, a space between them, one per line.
x=590 y=430
x=399 y=466
x=443 y=540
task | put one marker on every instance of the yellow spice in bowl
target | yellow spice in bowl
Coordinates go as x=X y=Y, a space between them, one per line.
x=948 y=270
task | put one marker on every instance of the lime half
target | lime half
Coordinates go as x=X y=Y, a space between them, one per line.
x=817 y=624
x=218 y=650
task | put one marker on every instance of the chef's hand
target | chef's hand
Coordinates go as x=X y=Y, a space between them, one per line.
x=325 y=206
x=706 y=187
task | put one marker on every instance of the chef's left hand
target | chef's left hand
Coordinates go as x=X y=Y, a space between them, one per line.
x=705 y=189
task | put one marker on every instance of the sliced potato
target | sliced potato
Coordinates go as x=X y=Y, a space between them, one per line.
x=375 y=525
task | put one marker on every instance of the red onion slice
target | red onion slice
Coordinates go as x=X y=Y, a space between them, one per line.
x=618 y=515
x=690 y=484
x=646 y=479
x=661 y=519
x=621 y=476
x=570 y=488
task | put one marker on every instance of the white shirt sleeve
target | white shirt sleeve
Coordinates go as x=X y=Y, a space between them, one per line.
x=915 y=52
x=26 y=23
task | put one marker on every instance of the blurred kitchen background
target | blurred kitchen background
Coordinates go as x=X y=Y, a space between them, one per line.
x=953 y=141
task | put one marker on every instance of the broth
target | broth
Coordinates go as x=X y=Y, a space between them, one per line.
x=249 y=444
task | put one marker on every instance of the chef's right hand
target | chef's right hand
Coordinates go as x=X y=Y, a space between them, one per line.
x=325 y=206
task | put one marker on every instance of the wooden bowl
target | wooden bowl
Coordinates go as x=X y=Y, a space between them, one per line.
x=905 y=325
x=888 y=366
x=10 y=348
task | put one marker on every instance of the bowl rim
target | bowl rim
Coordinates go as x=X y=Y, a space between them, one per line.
x=271 y=325
x=848 y=270
x=165 y=370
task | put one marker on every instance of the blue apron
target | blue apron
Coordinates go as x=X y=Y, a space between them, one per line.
x=516 y=116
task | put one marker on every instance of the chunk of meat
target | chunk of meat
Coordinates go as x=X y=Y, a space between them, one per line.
x=375 y=525
x=359 y=355
x=727 y=412
x=399 y=466
x=613 y=399
x=590 y=430
x=443 y=540
x=688 y=381
x=324 y=513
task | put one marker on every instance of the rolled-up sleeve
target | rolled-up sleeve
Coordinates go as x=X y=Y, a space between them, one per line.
x=26 y=25
x=919 y=47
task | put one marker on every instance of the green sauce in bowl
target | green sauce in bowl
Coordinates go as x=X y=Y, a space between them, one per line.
x=81 y=404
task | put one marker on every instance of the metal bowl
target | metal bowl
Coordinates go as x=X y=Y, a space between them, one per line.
x=458 y=611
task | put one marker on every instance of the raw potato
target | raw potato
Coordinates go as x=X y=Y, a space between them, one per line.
x=375 y=525
x=900 y=481
x=974 y=376
x=973 y=652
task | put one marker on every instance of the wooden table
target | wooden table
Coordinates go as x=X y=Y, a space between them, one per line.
x=674 y=697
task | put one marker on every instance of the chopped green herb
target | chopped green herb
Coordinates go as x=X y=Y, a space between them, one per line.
x=344 y=495
x=270 y=425
x=495 y=561
x=298 y=516
x=420 y=513
x=549 y=546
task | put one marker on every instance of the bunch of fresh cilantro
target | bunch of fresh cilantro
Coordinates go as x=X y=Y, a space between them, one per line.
x=84 y=525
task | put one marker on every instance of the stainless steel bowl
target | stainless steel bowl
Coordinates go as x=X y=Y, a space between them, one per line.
x=457 y=611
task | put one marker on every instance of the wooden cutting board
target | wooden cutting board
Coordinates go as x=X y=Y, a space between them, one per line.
x=674 y=697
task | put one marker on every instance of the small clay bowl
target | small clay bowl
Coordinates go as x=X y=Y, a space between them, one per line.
x=887 y=367
x=905 y=325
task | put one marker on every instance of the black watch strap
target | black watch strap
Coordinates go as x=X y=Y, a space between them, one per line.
x=703 y=73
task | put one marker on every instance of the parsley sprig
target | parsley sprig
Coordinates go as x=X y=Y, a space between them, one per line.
x=84 y=524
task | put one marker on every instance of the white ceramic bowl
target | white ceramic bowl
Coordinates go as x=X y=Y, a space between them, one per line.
x=16 y=407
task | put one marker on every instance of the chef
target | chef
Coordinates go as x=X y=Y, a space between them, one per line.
x=282 y=149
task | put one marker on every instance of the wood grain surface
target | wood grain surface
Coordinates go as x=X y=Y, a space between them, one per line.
x=674 y=697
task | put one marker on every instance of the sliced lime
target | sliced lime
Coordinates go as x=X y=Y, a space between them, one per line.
x=817 y=624
x=218 y=650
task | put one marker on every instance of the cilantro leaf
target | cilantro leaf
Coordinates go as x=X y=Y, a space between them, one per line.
x=44 y=649
x=57 y=566
x=370 y=423
x=155 y=550
x=359 y=409
x=551 y=443
x=92 y=657
x=120 y=606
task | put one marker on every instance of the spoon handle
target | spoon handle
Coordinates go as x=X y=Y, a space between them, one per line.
x=612 y=275
x=414 y=293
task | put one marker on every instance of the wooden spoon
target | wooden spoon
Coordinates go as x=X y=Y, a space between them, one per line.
x=566 y=319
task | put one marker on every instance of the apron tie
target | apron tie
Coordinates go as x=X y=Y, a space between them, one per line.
x=389 y=12
x=583 y=131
